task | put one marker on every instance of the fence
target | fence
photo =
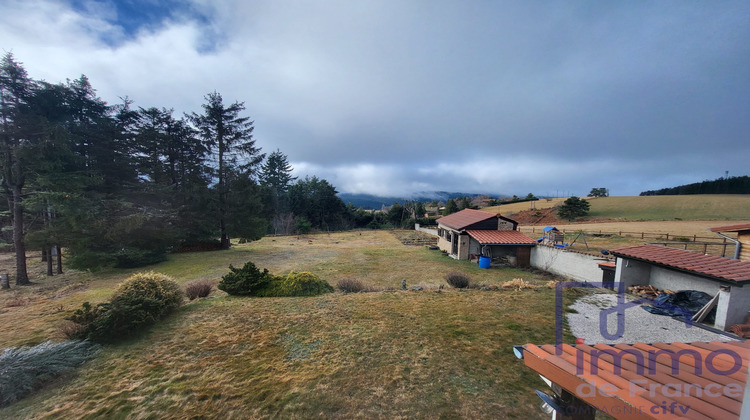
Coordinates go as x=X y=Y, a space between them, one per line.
x=642 y=235
x=705 y=244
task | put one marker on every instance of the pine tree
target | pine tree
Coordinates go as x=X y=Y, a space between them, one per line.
x=276 y=173
x=15 y=139
x=229 y=137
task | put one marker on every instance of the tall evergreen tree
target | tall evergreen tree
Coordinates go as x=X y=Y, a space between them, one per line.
x=229 y=137
x=276 y=173
x=15 y=143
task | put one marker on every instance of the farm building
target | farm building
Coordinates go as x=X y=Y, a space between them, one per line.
x=743 y=239
x=677 y=269
x=469 y=233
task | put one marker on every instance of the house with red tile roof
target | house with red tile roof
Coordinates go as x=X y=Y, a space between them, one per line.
x=470 y=233
x=677 y=269
x=743 y=238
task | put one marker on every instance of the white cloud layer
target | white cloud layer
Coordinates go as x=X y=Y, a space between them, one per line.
x=393 y=97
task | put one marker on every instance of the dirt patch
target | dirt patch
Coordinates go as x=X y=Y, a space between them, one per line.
x=415 y=238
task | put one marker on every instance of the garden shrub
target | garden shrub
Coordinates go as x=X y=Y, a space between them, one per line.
x=200 y=288
x=134 y=257
x=139 y=302
x=26 y=369
x=458 y=280
x=297 y=284
x=351 y=285
x=245 y=281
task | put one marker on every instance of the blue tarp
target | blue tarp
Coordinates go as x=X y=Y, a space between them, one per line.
x=681 y=304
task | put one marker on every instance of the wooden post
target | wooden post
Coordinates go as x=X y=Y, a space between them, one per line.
x=667 y=236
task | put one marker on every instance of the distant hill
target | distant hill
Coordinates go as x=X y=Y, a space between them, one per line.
x=369 y=201
x=729 y=185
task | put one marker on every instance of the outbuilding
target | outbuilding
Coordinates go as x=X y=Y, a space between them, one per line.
x=677 y=269
x=470 y=233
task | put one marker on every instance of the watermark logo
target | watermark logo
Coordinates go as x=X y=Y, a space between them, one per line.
x=590 y=360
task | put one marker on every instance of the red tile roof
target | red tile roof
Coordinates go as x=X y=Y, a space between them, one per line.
x=706 y=382
x=693 y=262
x=500 y=237
x=731 y=228
x=466 y=217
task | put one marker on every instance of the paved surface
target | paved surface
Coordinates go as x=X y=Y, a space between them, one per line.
x=639 y=325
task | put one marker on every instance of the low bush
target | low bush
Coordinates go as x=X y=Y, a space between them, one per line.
x=245 y=281
x=296 y=284
x=26 y=369
x=196 y=245
x=200 y=288
x=458 y=280
x=139 y=302
x=351 y=285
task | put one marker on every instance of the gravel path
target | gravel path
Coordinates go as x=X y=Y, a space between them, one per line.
x=640 y=325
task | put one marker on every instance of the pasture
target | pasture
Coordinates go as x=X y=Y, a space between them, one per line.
x=433 y=353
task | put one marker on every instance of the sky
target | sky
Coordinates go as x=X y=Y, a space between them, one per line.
x=399 y=97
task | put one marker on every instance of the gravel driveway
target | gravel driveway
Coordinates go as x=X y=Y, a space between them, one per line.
x=640 y=325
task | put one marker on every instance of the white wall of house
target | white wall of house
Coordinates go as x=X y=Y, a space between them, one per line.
x=572 y=265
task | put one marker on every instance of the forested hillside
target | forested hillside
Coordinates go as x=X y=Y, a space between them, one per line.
x=728 y=185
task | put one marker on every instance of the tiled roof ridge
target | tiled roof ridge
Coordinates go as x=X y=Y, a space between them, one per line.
x=690 y=261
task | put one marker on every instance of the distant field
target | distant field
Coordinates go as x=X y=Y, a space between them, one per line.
x=673 y=207
x=665 y=207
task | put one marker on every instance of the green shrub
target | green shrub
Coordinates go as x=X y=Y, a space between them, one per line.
x=296 y=284
x=26 y=369
x=200 y=288
x=458 y=280
x=139 y=302
x=134 y=257
x=245 y=281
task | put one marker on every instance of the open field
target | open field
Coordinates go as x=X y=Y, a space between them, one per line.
x=662 y=207
x=425 y=354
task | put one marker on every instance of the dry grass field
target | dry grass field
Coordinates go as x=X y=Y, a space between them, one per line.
x=434 y=353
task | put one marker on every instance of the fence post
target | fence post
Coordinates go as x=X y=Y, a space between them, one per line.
x=694 y=240
x=667 y=236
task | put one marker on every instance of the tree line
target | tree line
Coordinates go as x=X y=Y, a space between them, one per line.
x=120 y=185
x=726 y=185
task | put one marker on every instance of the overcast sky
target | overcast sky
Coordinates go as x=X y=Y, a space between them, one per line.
x=395 y=97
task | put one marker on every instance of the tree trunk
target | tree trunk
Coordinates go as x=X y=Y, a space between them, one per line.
x=22 y=277
x=59 y=259
x=48 y=252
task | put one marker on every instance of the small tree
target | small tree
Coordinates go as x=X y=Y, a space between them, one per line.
x=573 y=208
x=450 y=207
x=599 y=192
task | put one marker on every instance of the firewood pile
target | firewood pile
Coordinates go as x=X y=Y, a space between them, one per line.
x=648 y=291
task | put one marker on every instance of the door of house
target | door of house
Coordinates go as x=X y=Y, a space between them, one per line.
x=454 y=244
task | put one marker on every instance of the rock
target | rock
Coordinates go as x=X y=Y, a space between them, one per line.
x=416 y=288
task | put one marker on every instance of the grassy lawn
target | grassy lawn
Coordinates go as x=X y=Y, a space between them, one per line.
x=419 y=354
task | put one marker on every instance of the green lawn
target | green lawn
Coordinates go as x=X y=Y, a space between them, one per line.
x=435 y=353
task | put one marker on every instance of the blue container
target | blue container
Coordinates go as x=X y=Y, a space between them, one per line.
x=484 y=262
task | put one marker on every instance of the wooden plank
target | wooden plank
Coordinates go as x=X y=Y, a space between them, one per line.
x=703 y=312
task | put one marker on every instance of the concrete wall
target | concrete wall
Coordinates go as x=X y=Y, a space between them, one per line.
x=632 y=272
x=425 y=230
x=733 y=306
x=663 y=278
x=572 y=265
